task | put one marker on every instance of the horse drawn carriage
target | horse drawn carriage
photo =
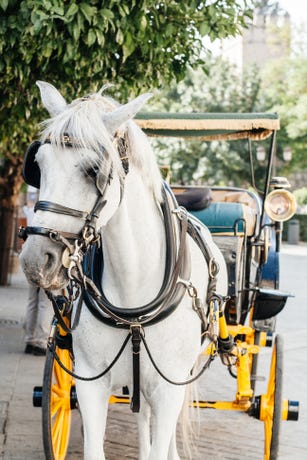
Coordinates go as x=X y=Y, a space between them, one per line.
x=205 y=270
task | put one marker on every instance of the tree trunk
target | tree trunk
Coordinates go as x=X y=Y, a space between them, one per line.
x=7 y=227
x=10 y=185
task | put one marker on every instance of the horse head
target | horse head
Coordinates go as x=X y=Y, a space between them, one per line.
x=79 y=165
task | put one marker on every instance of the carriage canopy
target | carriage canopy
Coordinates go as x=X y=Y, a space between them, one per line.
x=209 y=126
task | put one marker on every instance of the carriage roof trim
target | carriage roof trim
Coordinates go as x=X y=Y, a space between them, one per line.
x=209 y=126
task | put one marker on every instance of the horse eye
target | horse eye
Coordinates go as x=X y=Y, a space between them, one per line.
x=92 y=170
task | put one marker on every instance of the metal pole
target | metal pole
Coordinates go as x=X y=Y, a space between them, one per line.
x=268 y=176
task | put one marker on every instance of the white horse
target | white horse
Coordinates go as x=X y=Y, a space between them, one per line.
x=80 y=161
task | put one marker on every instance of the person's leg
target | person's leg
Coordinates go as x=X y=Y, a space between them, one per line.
x=44 y=317
x=31 y=318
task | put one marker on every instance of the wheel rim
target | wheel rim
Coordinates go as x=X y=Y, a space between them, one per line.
x=56 y=406
x=60 y=412
x=271 y=404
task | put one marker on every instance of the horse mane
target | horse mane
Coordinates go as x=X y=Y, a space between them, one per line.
x=83 y=121
x=143 y=157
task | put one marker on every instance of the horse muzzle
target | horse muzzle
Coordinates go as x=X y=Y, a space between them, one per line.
x=41 y=261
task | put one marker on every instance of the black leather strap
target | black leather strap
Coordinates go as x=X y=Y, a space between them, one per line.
x=23 y=233
x=164 y=303
x=136 y=348
x=60 y=209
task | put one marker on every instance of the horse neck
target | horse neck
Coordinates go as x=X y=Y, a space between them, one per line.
x=134 y=247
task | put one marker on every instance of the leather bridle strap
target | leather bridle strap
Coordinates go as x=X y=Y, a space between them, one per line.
x=53 y=234
x=59 y=315
x=56 y=235
x=60 y=209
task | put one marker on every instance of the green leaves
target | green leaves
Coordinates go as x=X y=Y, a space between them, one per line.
x=107 y=13
x=204 y=28
x=119 y=37
x=137 y=44
x=128 y=46
x=88 y=11
x=72 y=10
x=4 y=4
x=91 y=37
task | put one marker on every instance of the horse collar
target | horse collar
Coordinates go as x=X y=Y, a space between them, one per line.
x=171 y=292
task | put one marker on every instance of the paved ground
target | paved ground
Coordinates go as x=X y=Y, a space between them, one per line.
x=223 y=435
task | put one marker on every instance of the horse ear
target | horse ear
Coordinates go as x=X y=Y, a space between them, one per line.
x=113 y=120
x=53 y=101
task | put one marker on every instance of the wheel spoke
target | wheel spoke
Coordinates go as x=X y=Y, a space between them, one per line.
x=55 y=407
x=65 y=432
x=60 y=433
x=56 y=432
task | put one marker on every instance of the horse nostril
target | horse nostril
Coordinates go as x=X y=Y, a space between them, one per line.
x=50 y=260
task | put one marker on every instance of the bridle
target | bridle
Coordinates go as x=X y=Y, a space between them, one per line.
x=76 y=243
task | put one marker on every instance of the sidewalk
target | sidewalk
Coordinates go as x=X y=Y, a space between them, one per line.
x=19 y=374
x=20 y=423
x=294 y=249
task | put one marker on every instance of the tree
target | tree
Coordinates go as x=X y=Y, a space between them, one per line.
x=78 y=46
x=221 y=89
x=279 y=87
x=284 y=85
x=286 y=88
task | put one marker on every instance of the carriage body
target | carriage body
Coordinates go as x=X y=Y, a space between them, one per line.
x=240 y=219
x=233 y=218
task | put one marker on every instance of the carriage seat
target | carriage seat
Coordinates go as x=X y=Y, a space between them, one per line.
x=223 y=211
x=228 y=218
x=193 y=199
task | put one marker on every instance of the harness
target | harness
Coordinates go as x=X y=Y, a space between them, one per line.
x=83 y=258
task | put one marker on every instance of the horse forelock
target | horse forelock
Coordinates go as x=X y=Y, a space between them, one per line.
x=82 y=120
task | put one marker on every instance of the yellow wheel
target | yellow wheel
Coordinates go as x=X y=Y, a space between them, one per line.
x=56 y=405
x=271 y=403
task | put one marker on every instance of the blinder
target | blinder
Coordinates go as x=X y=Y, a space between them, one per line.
x=30 y=171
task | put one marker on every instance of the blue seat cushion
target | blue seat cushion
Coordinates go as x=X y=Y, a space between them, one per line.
x=227 y=218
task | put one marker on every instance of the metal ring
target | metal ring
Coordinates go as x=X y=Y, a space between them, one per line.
x=213 y=268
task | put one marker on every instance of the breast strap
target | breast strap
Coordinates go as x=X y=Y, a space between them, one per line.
x=177 y=265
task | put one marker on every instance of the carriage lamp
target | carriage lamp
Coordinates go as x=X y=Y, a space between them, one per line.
x=260 y=153
x=280 y=205
x=287 y=154
x=279 y=182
